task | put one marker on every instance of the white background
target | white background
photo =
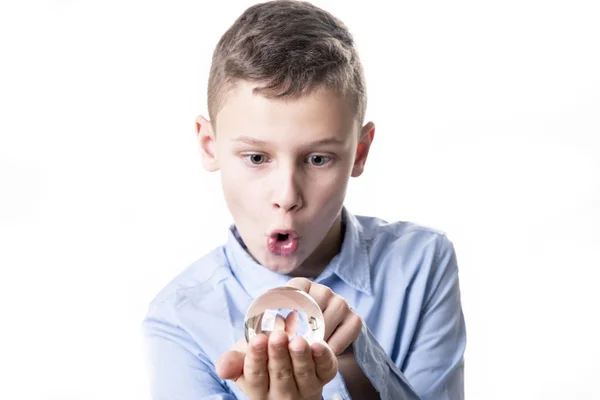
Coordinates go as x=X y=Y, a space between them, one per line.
x=487 y=115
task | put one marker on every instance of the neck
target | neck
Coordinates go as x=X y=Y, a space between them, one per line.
x=324 y=253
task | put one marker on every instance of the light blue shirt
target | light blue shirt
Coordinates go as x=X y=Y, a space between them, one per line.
x=401 y=278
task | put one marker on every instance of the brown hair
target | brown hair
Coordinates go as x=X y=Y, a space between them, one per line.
x=290 y=48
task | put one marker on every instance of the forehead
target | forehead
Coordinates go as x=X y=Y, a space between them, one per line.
x=321 y=112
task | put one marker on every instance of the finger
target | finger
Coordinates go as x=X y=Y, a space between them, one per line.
x=335 y=310
x=304 y=368
x=342 y=326
x=279 y=323
x=320 y=293
x=346 y=333
x=326 y=365
x=230 y=365
x=299 y=283
x=292 y=322
x=281 y=373
x=256 y=376
x=334 y=314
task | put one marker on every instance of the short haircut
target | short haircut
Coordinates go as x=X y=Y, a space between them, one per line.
x=288 y=48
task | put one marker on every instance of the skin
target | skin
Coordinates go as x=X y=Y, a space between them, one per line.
x=289 y=325
x=285 y=164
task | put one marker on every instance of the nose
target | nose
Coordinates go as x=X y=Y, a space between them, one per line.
x=287 y=193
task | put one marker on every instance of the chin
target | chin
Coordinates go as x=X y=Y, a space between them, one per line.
x=281 y=268
x=281 y=265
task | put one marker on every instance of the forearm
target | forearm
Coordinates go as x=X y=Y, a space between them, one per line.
x=357 y=383
x=387 y=379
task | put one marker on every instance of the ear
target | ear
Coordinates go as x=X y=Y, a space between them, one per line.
x=207 y=141
x=367 y=133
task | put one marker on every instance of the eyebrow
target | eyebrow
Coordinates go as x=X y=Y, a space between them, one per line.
x=258 y=142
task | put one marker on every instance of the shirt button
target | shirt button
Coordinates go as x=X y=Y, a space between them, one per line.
x=337 y=396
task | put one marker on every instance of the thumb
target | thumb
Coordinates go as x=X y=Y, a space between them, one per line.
x=231 y=365
x=326 y=364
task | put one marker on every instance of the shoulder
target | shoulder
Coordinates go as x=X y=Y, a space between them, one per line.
x=401 y=235
x=195 y=283
x=404 y=248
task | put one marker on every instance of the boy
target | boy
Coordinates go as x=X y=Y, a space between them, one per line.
x=286 y=102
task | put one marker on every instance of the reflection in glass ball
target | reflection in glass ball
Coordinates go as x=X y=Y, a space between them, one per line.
x=288 y=310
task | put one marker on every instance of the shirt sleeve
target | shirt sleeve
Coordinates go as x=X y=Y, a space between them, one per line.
x=379 y=368
x=433 y=368
x=177 y=368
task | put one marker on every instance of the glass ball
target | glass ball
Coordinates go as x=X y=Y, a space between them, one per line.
x=285 y=309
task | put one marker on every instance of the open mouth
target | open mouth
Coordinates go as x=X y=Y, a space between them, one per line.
x=283 y=243
x=282 y=237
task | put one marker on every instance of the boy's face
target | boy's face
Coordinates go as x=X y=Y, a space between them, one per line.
x=285 y=166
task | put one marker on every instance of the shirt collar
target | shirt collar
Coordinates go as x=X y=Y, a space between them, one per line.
x=351 y=264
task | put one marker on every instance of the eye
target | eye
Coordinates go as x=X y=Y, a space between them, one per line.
x=319 y=160
x=255 y=159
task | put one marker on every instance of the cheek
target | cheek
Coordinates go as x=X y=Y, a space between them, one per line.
x=237 y=173
x=330 y=193
x=241 y=194
x=233 y=187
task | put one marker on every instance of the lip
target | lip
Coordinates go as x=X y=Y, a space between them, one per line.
x=284 y=248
